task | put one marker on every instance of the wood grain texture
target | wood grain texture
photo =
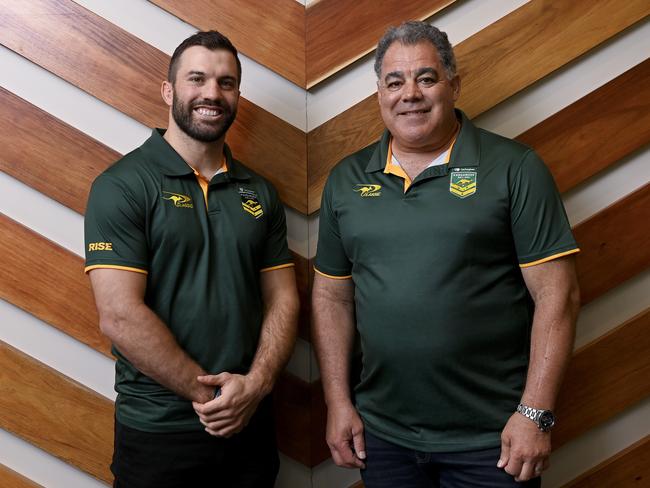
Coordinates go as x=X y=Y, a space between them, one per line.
x=55 y=413
x=629 y=468
x=125 y=72
x=339 y=32
x=272 y=33
x=304 y=292
x=604 y=378
x=615 y=244
x=11 y=479
x=48 y=281
x=494 y=64
x=47 y=154
x=593 y=133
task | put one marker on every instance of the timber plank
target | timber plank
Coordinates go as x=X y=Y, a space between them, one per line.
x=604 y=378
x=593 y=133
x=628 y=468
x=48 y=154
x=615 y=244
x=55 y=413
x=304 y=293
x=48 y=281
x=361 y=23
x=494 y=64
x=125 y=72
x=11 y=479
x=281 y=25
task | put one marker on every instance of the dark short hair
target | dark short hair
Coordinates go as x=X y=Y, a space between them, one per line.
x=212 y=40
x=414 y=32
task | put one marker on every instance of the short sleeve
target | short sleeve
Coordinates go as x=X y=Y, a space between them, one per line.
x=331 y=259
x=276 y=250
x=114 y=228
x=540 y=226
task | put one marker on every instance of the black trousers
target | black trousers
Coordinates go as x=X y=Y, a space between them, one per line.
x=188 y=459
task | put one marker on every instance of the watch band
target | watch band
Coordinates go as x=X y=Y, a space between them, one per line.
x=529 y=412
x=544 y=419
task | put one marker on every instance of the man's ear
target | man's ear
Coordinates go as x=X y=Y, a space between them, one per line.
x=455 y=85
x=167 y=92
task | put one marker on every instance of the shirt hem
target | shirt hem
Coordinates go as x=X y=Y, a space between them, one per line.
x=334 y=277
x=115 y=266
x=549 y=258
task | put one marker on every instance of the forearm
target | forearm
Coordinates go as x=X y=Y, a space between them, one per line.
x=277 y=339
x=150 y=346
x=333 y=332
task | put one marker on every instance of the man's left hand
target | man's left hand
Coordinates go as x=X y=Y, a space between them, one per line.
x=524 y=448
x=228 y=413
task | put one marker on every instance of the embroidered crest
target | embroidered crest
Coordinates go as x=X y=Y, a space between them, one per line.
x=463 y=182
x=250 y=202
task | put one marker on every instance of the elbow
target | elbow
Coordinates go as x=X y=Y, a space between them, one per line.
x=574 y=299
x=111 y=323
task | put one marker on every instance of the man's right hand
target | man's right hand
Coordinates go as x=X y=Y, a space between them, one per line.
x=345 y=436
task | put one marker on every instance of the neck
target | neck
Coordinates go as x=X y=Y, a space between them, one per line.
x=204 y=157
x=427 y=153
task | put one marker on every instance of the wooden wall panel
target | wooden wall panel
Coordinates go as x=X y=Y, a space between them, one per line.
x=47 y=154
x=628 y=469
x=592 y=133
x=272 y=33
x=615 y=244
x=304 y=292
x=125 y=72
x=339 y=32
x=604 y=378
x=48 y=281
x=497 y=62
x=55 y=413
x=11 y=479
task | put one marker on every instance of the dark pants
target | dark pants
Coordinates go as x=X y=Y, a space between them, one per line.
x=391 y=466
x=197 y=459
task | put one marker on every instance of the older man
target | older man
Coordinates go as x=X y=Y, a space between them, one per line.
x=448 y=249
x=187 y=254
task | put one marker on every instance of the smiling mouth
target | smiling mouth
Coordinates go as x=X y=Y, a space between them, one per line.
x=208 y=112
x=415 y=112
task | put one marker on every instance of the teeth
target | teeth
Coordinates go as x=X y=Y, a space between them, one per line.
x=207 y=111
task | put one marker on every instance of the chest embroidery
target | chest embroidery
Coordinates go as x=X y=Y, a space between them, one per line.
x=250 y=202
x=463 y=182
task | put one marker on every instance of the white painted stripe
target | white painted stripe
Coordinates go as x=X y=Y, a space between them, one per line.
x=297 y=236
x=41 y=214
x=608 y=186
x=71 y=105
x=162 y=30
x=597 y=445
x=358 y=81
x=568 y=84
x=613 y=309
x=293 y=474
x=300 y=362
x=327 y=475
x=41 y=467
x=57 y=349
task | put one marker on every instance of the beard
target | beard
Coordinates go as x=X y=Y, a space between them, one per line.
x=201 y=131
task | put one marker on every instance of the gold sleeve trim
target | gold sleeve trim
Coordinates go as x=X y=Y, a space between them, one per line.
x=549 y=258
x=333 y=277
x=280 y=266
x=112 y=266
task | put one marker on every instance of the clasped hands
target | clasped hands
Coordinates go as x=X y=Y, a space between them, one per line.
x=229 y=412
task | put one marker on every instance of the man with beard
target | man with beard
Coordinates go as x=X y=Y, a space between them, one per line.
x=448 y=249
x=187 y=255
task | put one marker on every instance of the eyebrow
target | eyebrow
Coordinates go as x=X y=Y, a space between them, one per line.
x=419 y=72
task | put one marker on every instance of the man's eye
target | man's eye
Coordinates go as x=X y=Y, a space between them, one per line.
x=227 y=84
x=427 y=81
x=394 y=85
x=195 y=79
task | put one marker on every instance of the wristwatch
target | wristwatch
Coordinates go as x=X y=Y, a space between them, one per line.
x=544 y=419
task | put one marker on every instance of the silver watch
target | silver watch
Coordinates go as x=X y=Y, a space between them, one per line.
x=544 y=419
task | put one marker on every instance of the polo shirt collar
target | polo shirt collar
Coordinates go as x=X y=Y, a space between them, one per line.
x=158 y=151
x=465 y=152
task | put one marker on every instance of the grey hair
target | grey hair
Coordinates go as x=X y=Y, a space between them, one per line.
x=414 y=32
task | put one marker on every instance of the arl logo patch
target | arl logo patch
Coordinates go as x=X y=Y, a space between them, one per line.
x=250 y=203
x=463 y=182
x=178 y=199
x=100 y=246
x=368 y=190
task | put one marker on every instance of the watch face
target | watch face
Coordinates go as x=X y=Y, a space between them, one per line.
x=546 y=420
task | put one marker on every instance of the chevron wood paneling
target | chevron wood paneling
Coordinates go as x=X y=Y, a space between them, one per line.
x=125 y=72
x=605 y=377
x=48 y=281
x=592 y=133
x=11 y=479
x=304 y=286
x=339 y=32
x=615 y=244
x=47 y=154
x=55 y=413
x=630 y=468
x=494 y=64
x=272 y=33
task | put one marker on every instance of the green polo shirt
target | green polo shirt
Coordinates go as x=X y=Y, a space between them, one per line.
x=443 y=313
x=147 y=213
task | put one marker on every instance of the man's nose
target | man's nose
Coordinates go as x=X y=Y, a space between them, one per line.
x=411 y=91
x=211 y=90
